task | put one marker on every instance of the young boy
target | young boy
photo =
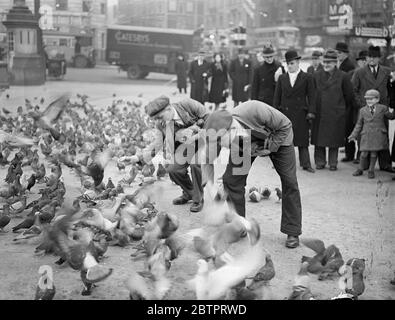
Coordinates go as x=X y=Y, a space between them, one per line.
x=374 y=133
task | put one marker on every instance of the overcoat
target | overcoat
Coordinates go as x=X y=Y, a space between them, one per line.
x=219 y=82
x=334 y=97
x=198 y=76
x=374 y=132
x=311 y=70
x=264 y=84
x=347 y=65
x=241 y=75
x=295 y=102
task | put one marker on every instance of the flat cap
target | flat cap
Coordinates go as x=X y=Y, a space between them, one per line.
x=157 y=105
x=372 y=93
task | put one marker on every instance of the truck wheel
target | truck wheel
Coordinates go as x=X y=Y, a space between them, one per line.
x=134 y=72
x=80 y=62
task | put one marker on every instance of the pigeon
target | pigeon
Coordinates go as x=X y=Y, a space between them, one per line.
x=4 y=218
x=138 y=287
x=31 y=182
x=266 y=193
x=110 y=184
x=279 y=194
x=45 y=288
x=255 y=196
x=21 y=206
x=301 y=286
x=264 y=274
x=351 y=280
x=27 y=223
x=326 y=262
x=121 y=166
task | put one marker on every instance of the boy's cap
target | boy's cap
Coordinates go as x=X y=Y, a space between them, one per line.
x=372 y=94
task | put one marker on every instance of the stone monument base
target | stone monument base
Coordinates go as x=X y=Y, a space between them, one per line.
x=28 y=71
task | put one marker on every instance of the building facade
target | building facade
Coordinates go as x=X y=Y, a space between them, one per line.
x=178 y=14
x=63 y=20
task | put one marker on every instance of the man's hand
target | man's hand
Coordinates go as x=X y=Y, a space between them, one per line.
x=246 y=87
x=278 y=73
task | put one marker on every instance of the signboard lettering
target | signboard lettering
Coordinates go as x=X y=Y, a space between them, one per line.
x=128 y=37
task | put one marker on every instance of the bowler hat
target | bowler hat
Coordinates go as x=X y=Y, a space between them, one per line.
x=157 y=105
x=341 y=46
x=372 y=93
x=330 y=55
x=374 y=52
x=268 y=51
x=316 y=54
x=291 y=55
x=219 y=120
x=362 y=55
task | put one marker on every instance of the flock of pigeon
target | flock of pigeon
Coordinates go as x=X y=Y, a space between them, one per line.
x=66 y=134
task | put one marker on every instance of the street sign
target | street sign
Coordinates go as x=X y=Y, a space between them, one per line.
x=373 y=32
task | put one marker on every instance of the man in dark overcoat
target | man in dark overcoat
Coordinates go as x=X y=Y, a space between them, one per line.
x=295 y=98
x=240 y=71
x=198 y=75
x=345 y=64
x=266 y=76
x=256 y=129
x=334 y=96
x=181 y=68
x=378 y=77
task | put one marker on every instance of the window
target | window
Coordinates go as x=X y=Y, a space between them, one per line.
x=11 y=41
x=63 y=42
x=86 y=6
x=61 y=5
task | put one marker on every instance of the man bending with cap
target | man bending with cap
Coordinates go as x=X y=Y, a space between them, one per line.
x=173 y=119
x=255 y=129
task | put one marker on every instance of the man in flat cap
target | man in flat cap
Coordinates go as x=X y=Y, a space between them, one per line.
x=316 y=62
x=240 y=71
x=172 y=120
x=255 y=129
x=295 y=97
x=378 y=77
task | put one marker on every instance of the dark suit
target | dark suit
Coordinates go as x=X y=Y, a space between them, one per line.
x=363 y=80
x=348 y=67
x=241 y=74
x=198 y=76
x=295 y=103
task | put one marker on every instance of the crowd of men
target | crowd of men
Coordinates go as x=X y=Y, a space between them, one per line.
x=334 y=104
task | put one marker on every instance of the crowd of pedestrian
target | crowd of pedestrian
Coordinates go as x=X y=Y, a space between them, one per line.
x=327 y=104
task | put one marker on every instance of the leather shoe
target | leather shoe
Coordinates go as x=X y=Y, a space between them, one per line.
x=371 y=174
x=347 y=159
x=356 y=161
x=309 y=169
x=181 y=200
x=197 y=206
x=388 y=169
x=332 y=168
x=320 y=167
x=292 y=242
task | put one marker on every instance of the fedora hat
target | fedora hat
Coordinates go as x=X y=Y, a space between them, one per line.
x=330 y=56
x=341 y=46
x=268 y=51
x=291 y=55
x=374 y=52
x=362 y=55
x=316 y=54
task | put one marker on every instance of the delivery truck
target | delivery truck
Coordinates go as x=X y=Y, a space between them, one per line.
x=141 y=50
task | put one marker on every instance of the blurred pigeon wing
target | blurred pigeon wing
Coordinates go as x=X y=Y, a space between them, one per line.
x=56 y=108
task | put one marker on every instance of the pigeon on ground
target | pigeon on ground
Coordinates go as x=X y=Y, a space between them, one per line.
x=301 y=287
x=279 y=194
